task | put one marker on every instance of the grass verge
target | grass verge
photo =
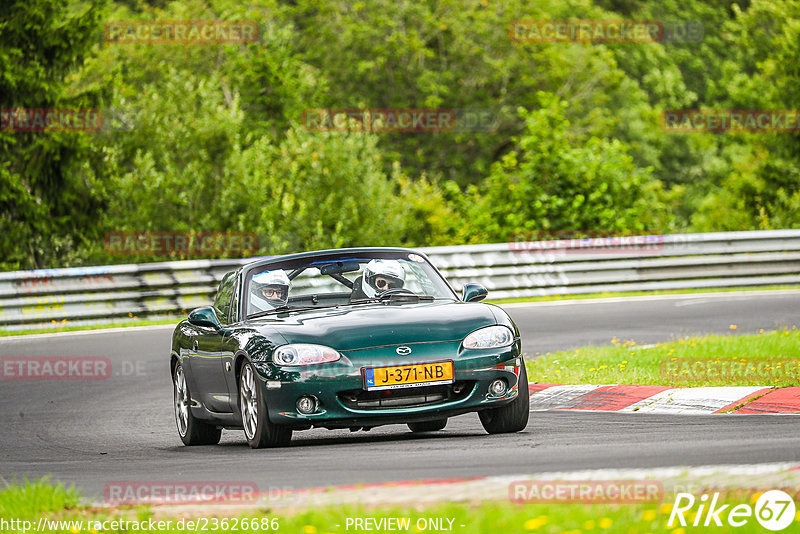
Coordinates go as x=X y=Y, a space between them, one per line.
x=65 y=327
x=612 y=294
x=769 y=358
x=62 y=513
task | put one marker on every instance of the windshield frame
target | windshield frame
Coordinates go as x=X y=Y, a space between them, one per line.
x=293 y=262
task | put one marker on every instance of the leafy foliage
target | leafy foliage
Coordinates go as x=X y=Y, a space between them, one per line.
x=553 y=181
x=209 y=137
x=50 y=197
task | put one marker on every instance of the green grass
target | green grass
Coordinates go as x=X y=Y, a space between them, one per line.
x=31 y=498
x=30 y=501
x=548 y=298
x=769 y=358
x=65 y=327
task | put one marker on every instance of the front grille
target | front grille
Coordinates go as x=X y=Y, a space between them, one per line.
x=405 y=398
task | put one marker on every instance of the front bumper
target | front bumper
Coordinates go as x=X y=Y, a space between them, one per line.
x=343 y=402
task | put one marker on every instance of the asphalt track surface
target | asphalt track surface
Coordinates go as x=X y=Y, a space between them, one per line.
x=91 y=433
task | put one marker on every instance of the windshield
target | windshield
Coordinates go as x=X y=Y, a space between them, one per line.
x=343 y=280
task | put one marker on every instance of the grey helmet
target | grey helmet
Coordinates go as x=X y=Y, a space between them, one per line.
x=277 y=281
x=381 y=275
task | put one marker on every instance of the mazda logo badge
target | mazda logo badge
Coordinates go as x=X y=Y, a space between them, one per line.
x=402 y=351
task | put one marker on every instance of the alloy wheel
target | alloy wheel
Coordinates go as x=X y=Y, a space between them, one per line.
x=249 y=401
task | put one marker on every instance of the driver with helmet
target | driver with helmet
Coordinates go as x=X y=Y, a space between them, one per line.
x=269 y=290
x=379 y=276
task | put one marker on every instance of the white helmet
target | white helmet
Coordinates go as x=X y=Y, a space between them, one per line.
x=381 y=275
x=270 y=288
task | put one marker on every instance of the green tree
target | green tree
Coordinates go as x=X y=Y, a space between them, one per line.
x=51 y=190
x=553 y=181
x=312 y=191
x=760 y=73
x=458 y=55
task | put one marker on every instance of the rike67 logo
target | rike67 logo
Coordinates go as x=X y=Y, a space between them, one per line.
x=774 y=510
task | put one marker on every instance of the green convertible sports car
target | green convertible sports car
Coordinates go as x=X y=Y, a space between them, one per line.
x=351 y=338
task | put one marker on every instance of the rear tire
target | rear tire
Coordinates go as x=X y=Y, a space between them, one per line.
x=428 y=426
x=192 y=430
x=511 y=417
x=258 y=429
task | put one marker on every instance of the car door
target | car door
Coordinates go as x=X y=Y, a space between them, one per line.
x=211 y=347
x=228 y=348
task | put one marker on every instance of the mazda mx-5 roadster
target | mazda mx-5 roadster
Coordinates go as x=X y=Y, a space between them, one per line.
x=350 y=338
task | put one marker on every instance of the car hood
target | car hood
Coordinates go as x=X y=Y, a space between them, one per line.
x=377 y=325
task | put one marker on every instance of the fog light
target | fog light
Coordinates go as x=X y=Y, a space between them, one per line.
x=307 y=404
x=498 y=387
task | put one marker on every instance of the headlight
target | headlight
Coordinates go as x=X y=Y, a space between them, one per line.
x=304 y=354
x=490 y=337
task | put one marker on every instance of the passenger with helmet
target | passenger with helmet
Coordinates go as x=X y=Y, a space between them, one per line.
x=269 y=290
x=379 y=276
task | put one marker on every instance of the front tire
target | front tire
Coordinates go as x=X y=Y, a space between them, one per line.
x=511 y=417
x=258 y=429
x=192 y=430
x=428 y=426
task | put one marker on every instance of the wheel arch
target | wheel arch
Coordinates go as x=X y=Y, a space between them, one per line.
x=173 y=361
x=239 y=360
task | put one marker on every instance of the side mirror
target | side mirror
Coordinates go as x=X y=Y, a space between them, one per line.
x=205 y=316
x=473 y=292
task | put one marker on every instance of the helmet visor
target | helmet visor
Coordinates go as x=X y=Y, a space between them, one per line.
x=273 y=292
x=383 y=283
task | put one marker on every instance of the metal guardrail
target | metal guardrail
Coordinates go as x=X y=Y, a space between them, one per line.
x=114 y=293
